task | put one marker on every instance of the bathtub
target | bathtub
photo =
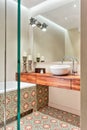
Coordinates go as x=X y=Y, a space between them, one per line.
x=12 y=85
x=28 y=99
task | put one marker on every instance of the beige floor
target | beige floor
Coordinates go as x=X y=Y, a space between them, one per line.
x=47 y=119
x=61 y=115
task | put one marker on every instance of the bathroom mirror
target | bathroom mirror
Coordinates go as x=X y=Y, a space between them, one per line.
x=62 y=36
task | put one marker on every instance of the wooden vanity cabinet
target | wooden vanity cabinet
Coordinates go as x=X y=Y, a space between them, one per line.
x=27 y=77
x=31 y=78
x=67 y=82
x=53 y=81
x=76 y=84
x=23 y=78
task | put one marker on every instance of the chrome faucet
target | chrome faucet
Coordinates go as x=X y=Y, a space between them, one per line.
x=73 y=59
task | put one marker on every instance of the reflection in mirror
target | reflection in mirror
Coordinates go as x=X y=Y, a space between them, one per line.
x=62 y=36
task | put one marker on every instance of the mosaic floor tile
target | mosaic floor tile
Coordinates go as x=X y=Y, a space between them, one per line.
x=61 y=115
x=39 y=121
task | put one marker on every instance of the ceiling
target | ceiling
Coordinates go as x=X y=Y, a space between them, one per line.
x=31 y=3
x=65 y=13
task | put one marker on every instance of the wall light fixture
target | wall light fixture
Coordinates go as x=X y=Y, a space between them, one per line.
x=34 y=22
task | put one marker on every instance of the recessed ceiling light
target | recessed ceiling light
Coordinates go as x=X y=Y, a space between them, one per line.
x=75 y=5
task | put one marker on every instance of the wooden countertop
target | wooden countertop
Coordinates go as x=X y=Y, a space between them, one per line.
x=67 y=82
x=56 y=76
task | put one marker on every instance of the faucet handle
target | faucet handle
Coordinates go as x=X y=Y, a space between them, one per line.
x=76 y=59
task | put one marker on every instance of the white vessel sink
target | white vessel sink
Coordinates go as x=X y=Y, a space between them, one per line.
x=60 y=69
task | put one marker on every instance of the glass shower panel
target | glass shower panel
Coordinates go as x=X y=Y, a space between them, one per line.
x=8 y=64
x=11 y=65
x=12 y=95
x=16 y=40
x=2 y=49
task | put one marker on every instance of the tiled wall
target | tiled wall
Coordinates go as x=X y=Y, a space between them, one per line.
x=31 y=98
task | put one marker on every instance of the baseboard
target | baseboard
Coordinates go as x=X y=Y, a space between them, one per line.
x=64 y=108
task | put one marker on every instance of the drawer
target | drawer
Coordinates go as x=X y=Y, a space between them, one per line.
x=76 y=84
x=53 y=81
x=27 y=78
x=31 y=78
x=23 y=78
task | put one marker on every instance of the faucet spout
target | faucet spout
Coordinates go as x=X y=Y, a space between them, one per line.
x=73 y=59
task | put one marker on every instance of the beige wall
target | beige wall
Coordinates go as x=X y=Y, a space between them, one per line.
x=56 y=43
x=65 y=100
x=72 y=43
x=83 y=65
x=50 y=44
x=12 y=38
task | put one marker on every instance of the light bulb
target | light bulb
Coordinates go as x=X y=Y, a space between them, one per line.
x=44 y=29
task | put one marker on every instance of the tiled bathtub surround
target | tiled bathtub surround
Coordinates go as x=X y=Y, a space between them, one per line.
x=39 y=121
x=34 y=97
x=28 y=101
